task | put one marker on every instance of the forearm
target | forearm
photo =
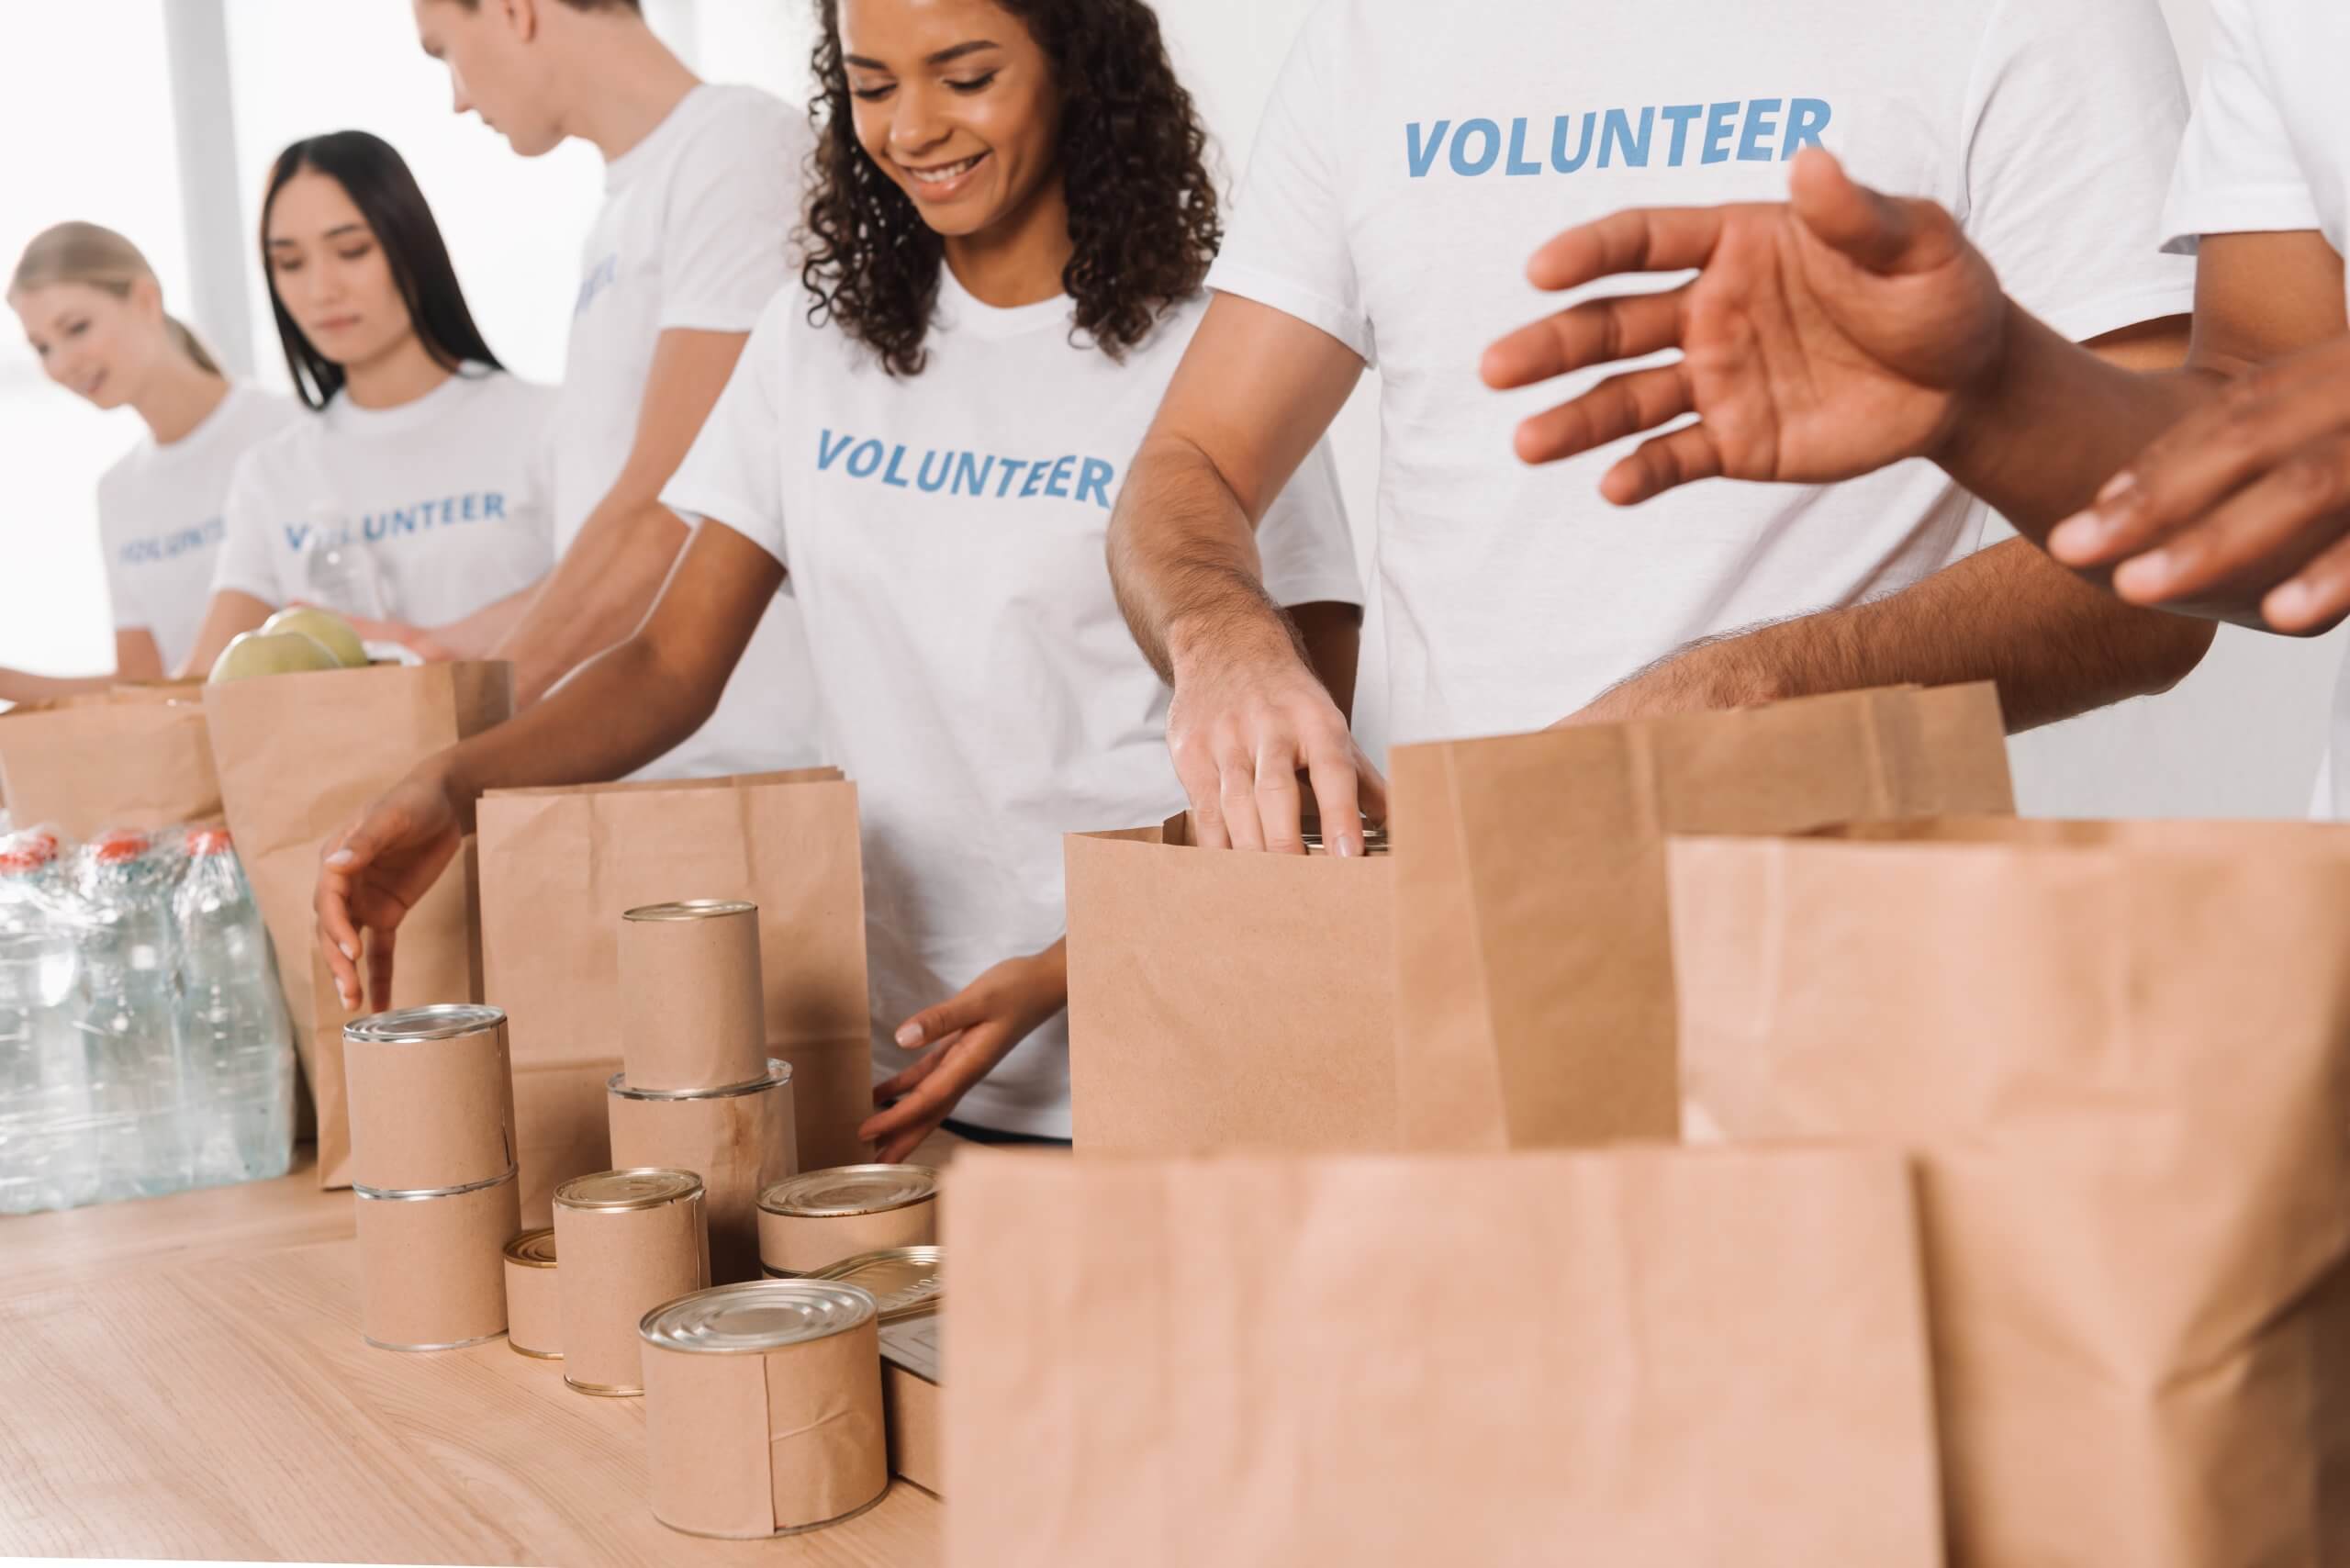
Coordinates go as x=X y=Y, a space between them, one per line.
x=476 y=635
x=23 y=686
x=2059 y=420
x=624 y=709
x=597 y=595
x=2055 y=646
x=1184 y=558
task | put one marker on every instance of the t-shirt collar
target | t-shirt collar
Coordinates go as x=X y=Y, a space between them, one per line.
x=960 y=310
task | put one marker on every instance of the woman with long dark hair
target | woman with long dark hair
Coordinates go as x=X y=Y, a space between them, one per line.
x=416 y=492
x=1009 y=222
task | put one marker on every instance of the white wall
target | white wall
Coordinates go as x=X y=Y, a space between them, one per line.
x=2239 y=737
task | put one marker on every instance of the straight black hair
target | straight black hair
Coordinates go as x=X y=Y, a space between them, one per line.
x=372 y=172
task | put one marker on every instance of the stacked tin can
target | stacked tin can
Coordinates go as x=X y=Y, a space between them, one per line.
x=630 y=1242
x=697 y=1090
x=432 y=1098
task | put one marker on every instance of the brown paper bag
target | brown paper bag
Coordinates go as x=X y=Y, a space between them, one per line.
x=299 y=757
x=2120 y=1053
x=107 y=761
x=1533 y=975
x=1222 y=1001
x=1642 y=1356
x=559 y=867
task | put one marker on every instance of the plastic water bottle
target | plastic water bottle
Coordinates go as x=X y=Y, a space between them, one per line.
x=129 y=1016
x=236 y=1092
x=340 y=572
x=44 y=1093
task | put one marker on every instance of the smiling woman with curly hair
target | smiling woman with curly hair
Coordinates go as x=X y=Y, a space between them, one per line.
x=1009 y=225
x=1127 y=181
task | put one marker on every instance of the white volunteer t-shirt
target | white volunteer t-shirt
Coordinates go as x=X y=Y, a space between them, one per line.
x=695 y=234
x=946 y=534
x=448 y=495
x=1409 y=164
x=2268 y=151
x=159 y=517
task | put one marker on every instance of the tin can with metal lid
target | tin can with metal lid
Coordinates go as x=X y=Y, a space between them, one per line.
x=432 y=1275
x=1374 y=840
x=903 y=1282
x=763 y=1407
x=693 y=1004
x=432 y=1097
x=533 y=1296
x=630 y=1239
x=815 y=1219
x=737 y=1139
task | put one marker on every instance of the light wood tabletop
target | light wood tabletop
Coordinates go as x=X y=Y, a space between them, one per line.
x=184 y=1377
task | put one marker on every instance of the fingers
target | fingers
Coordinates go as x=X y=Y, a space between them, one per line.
x=1878 y=232
x=1638 y=239
x=958 y=1011
x=337 y=938
x=2316 y=598
x=379 y=965
x=1236 y=798
x=888 y=1091
x=2263 y=534
x=1331 y=771
x=1279 y=807
x=1202 y=784
x=2191 y=468
x=1594 y=332
x=1618 y=406
x=1371 y=788
x=928 y=1103
x=1683 y=457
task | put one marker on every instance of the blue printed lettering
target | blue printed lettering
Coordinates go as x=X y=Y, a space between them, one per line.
x=1559 y=159
x=1680 y=115
x=826 y=452
x=297 y=535
x=946 y=470
x=470 y=514
x=1011 y=465
x=1518 y=163
x=971 y=471
x=1761 y=119
x=404 y=520
x=1095 y=480
x=1464 y=164
x=1420 y=156
x=1720 y=120
x=1034 y=483
x=1617 y=132
x=897 y=455
x=866 y=461
x=494 y=505
x=1057 y=485
x=370 y=527
x=1806 y=118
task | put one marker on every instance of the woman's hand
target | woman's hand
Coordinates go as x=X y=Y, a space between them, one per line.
x=374 y=872
x=968 y=1034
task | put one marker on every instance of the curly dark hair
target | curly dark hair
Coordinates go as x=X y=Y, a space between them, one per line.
x=1142 y=204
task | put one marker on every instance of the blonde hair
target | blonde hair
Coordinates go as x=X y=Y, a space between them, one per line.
x=99 y=258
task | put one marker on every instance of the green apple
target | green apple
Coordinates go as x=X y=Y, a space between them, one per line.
x=270 y=652
x=324 y=627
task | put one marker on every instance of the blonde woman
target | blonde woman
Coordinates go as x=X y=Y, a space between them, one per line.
x=94 y=313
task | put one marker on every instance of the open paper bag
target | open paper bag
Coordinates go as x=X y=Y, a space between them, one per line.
x=2120 y=1055
x=1534 y=965
x=299 y=757
x=1639 y=1356
x=131 y=759
x=559 y=868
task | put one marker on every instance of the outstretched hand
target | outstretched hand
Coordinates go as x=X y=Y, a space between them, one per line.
x=1823 y=337
x=374 y=872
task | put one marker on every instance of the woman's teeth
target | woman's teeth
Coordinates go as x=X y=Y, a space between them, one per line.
x=944 y=173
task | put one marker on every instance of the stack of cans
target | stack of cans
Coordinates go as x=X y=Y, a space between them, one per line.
x=697 y=1090
x=432 y=1098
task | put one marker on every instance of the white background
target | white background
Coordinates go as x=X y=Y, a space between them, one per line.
x=2241 y=737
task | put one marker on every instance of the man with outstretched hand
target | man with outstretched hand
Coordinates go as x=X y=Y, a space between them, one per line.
x=1843 y=331
x=1406 y=161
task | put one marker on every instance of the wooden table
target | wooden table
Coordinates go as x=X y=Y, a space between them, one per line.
x=184 y=1377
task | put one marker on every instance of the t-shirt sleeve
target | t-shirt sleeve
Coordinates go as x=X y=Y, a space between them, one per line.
x=2237 y=172
x=732 y=475
x=122 y=585
x=1287 y=244
x=726 y=236
x=243 y=563
x=2073 y=122
x=1306 y=548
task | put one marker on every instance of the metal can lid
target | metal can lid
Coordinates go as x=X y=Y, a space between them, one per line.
x=778 y=1071
x=902 y=1281
x=412 y=1026
x=844 y=1190
x=208 y=840
x=690 y=909
x=1374 y=838
x=640 y=1187
x=757 y=1316
x=533 y=1248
